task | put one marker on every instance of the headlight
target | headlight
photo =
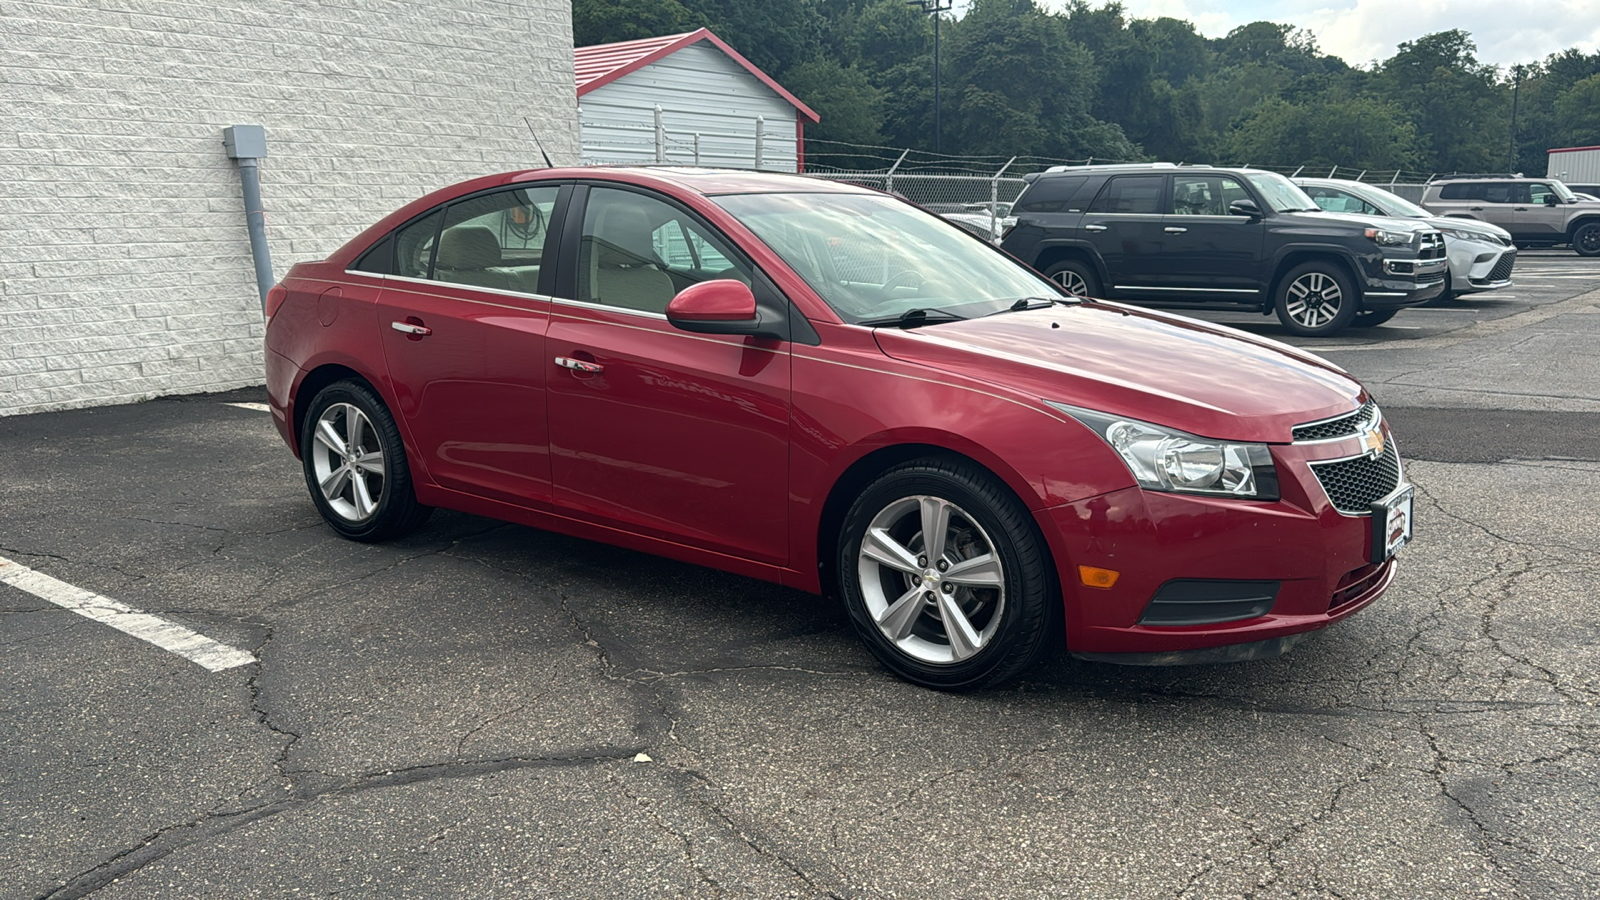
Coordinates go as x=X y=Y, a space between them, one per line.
x=1162 y=459
x=1389 y=238
x=1469 y=235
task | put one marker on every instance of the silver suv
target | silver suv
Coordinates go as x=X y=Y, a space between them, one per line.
x=1537 y=211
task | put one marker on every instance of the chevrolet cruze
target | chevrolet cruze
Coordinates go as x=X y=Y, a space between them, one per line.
x=825 y=387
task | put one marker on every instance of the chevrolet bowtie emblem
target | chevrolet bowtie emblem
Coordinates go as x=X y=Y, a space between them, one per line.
x=1372 y=443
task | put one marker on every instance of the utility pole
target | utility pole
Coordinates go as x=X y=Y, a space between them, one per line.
x=1516 y=84
x=936 y=8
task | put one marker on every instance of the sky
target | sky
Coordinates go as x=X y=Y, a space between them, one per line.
x=1363 y=31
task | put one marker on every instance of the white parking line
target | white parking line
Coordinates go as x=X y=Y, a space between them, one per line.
x=169 y=636
x=257 y=407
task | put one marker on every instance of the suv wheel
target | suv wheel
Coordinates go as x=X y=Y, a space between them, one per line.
x=1316 y=299
x=1076 y=276
x=1586 y=240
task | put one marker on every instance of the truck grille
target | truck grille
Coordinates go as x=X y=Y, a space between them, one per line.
x=1432 y=245
x=1353 y=485
x=1502 y=269
x=1340 y=426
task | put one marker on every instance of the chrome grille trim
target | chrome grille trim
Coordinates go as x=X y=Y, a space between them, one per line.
x=1340 y=427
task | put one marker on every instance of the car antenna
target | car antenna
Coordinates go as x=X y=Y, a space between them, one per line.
x=547 y=163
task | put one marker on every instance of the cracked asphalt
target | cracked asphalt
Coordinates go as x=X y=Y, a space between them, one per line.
x=484 y=710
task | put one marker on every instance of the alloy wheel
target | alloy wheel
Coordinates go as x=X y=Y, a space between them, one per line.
x=347 y=459
x=1314 y=299
x=931 y=579
x=1072 y=281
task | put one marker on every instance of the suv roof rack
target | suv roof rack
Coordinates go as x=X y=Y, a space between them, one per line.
x=1464 y=176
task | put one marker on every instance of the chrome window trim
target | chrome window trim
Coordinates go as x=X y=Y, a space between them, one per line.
x=590 y=304
x=434 y=282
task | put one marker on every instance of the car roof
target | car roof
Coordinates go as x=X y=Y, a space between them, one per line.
x=707 y=181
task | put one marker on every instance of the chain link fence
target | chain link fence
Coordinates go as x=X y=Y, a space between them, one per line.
x=975 y=185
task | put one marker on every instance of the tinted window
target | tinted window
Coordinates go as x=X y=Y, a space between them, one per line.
x=1050 y=194
x=1130 y=194
x=1461 y=192
x=379 y=260
x=1204 y=195
x=413 y=245
x=638 y=251
x=496 y=240
x=1537 y=193
x=1505 y=192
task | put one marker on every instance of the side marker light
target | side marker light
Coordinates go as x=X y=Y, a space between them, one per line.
x=1094 y=577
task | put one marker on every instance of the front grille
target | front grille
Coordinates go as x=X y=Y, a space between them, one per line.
x=1340 y=426
x=1432 y=245
x=1502 y=269
x=1353 y=485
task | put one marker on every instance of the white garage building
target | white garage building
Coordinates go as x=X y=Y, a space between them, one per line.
x=687 y=99
x=125 y=263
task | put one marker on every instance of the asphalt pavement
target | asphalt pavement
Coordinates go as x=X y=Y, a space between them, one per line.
x=484 y=710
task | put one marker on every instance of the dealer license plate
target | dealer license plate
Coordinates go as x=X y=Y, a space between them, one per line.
x=1391 y=523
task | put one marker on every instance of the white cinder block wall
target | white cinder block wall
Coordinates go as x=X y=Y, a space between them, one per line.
x=125 y=267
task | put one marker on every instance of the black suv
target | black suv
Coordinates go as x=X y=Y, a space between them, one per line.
x=1200 y=237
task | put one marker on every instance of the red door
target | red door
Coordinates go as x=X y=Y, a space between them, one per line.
x=656 y=430
x=464 y=346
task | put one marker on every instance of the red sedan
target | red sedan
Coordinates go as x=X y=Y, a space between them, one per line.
x=825 y=387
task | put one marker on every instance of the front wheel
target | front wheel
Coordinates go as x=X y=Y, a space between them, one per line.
x=355 y=465
x=1368 y=318
x=1316 y=299
x=1586 y=240
x=944 y=575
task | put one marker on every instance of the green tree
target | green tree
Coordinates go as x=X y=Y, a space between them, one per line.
x=850 y=108
x=1460 y=110
x=610 y=21
x=1359 y=132
x=1578 y=108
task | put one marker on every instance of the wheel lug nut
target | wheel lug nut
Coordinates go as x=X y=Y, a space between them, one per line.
x=943 y=565
x=949 y=588
x=928 y=596
x=922 y=561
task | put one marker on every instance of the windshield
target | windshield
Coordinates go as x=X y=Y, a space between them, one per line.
x=1280 y=193
x=1391 y=204
x=873 y=257
x=1564 y=192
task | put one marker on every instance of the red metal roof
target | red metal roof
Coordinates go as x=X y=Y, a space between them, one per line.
x=1571 y=149
x=604 y=63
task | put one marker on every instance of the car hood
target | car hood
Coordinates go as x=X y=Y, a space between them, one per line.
x=1168 y=370
x=1471 y=226
x=1385 y=222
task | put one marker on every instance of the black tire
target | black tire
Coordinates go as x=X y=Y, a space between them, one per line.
x=1316 y=299
x=349 y=412
x=1369 y=318
x=1446 y=296
x=1076 y=276
x=1004 y=595
x=1586 y=240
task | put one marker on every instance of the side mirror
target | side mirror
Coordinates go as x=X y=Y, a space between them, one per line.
x=721 y=306
x=1244 y=208
x=1551 y=200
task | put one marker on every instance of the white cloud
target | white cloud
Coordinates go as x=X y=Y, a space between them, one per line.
x=1363 y=31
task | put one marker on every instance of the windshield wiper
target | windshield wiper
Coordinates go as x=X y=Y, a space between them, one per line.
x=911 y=318
x=1024 y=303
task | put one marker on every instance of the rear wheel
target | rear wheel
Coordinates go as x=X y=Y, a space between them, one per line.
x=355 y=465
x=1316 y=299
x=1586 y=240
x=1076 y=276
x=944 y=575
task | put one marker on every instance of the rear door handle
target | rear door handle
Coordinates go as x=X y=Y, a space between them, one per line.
x=578 y=365
x=1094 y=228
x=408 y=328
x=1476 y=208
x=1173 y=229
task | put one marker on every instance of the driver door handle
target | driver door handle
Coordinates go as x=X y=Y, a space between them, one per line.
x=578 y=365
x=408 y=328
x=1094 y=228
x=1173 y=229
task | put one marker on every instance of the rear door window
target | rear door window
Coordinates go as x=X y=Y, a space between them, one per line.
x=1134 y=194
x=1050 y=194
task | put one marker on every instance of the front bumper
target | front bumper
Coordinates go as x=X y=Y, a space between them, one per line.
x=1404 y=282
x=1317 y=556
x=1480 y=266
